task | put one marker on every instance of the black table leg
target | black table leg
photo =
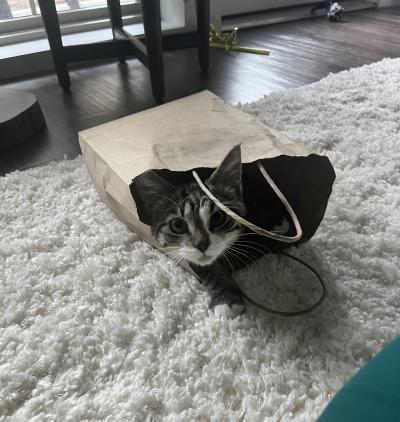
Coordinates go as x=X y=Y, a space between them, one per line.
x=114 y=10
x=153 y=35
x=203 y=21
x=52 y=26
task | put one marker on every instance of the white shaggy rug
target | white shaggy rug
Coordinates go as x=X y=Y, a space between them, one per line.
x=96 y=325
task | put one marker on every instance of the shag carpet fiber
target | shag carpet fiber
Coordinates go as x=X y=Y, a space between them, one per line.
x=96 y=325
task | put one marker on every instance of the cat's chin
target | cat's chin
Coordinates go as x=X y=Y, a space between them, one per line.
x=204 y=260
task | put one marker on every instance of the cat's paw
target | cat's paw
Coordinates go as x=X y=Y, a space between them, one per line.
x=228 y=303
x=238 y=308
x=223 y=310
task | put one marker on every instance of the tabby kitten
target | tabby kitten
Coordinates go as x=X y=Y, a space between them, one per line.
x=190 y=227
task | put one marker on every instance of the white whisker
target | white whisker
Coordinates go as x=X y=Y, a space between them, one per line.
x=230 y=252
x=248 y=244
x=238 y=250
x=224 y=255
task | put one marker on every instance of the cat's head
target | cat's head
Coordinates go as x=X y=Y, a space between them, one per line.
x=185 y=222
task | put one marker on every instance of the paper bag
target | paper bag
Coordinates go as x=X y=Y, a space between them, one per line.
x=189 y=138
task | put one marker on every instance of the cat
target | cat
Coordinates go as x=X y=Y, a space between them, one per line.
x=189 y=226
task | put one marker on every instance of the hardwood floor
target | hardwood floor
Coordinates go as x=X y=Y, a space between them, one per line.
x=302 y=52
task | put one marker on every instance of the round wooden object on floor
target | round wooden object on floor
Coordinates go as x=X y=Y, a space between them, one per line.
x=20 y=117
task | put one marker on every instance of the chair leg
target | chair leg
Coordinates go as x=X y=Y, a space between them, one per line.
x=203 y=23
x=52 y=26
x=114 y=10
x=152 y=32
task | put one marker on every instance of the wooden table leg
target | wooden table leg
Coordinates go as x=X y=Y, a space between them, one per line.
x=152 y=31
x=52 y=26
x=114 y=10
x=203 y=22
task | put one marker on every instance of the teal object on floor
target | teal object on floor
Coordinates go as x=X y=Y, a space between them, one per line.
x=373 y=394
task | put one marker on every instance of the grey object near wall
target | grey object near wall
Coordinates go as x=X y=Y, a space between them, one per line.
x=21 y=117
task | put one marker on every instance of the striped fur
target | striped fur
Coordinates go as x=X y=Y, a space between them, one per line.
x=201 y=244
x=190 y=227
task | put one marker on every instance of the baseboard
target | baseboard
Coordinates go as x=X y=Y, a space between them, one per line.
x=288 y=14
x=388 y=3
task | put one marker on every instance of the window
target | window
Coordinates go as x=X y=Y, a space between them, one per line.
x=10 y=9
x=20 y=19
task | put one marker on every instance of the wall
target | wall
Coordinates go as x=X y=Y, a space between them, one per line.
x=221 y=8
x=173 y=11
x=388 y=3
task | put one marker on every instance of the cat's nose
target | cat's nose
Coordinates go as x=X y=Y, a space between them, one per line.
x=202 y=244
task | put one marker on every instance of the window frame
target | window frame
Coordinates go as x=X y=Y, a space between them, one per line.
x=29 y=28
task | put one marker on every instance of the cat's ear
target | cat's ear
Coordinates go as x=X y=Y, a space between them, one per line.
x=229 y=173
x=147 y=191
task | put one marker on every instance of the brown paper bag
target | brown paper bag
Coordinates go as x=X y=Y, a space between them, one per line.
x=188 y=139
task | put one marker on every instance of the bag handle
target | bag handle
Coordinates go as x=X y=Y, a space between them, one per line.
x=271 y=235
x=290 y=314
x=251 y=226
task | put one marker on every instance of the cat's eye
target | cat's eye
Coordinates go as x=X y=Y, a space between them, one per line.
x=217 y=219
x=178 y=225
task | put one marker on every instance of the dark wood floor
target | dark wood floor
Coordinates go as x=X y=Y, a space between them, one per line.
x=302 y=52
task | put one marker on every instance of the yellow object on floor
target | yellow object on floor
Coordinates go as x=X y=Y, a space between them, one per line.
x=228 y=41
